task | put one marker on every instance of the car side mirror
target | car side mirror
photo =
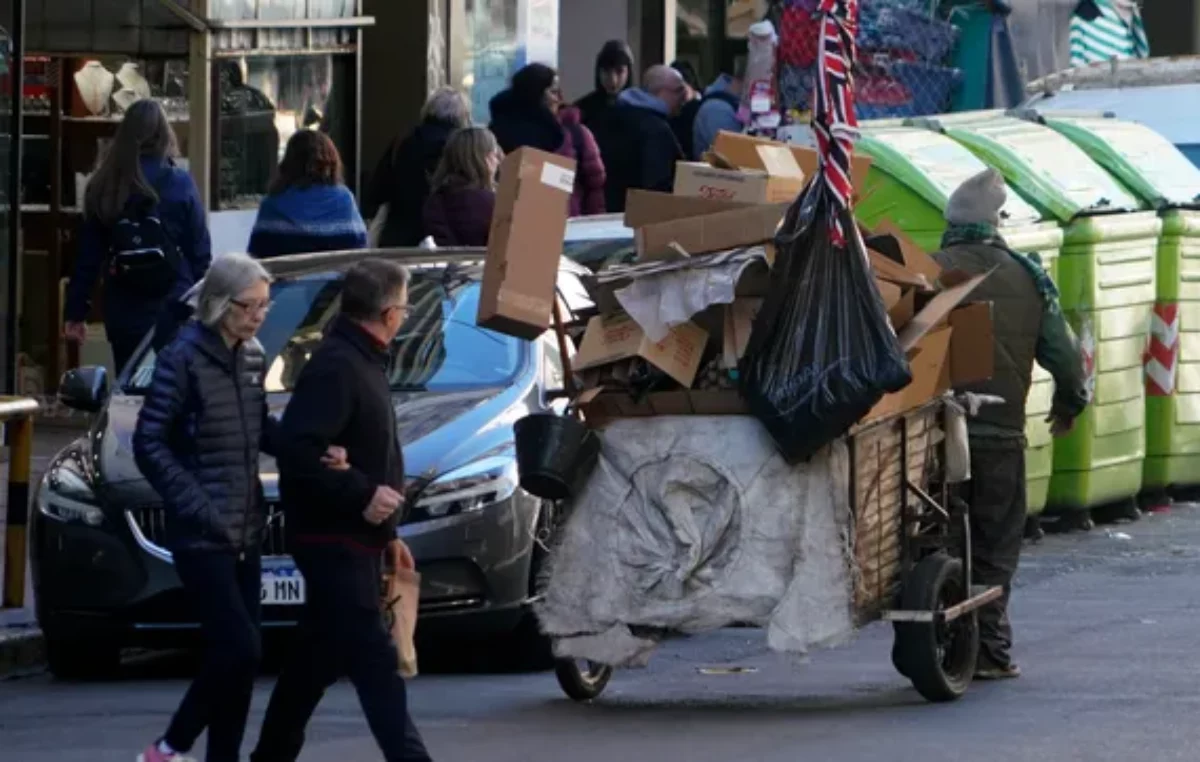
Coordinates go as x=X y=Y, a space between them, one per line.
x=84 y=389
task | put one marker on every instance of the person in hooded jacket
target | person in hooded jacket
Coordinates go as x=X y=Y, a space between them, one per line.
x=684 y=124
x=400 y=183
x=614 y=75
x=718 y=110
x=136 y=182
x=643 y=148
x=309 y=208
x=531 y=113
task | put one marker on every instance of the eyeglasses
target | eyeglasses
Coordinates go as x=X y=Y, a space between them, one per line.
x=257 y=308
x=405 y=310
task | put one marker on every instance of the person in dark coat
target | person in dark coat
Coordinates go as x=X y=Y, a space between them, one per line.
x=340 y=523
x=400 y=183
x=683 y=123
x=531 y=113
x=197 y=441
x=459 y=211
x=642 y=147
x=136 y=180
x=309 y=208
x=614 y=75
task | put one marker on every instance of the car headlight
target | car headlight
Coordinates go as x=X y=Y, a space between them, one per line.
x=470 y=488
x=65 y=494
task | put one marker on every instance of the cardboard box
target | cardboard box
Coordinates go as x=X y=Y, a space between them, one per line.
x=745 y=186
x=742 y=151
x=644 y=207
x=526 y=243
x=915 y=258
x=618 y=337
x=887 y=269
x=711 y=233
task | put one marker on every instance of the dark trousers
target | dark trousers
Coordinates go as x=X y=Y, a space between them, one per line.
x=226 y=591
x=996 y=495
x=341 y=633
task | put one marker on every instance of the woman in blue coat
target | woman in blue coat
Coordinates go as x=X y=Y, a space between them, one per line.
x=144 y=228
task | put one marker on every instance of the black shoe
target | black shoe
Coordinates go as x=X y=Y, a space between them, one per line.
x=991 y=672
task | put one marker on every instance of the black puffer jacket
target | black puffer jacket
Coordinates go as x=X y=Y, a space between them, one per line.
x=198 y=438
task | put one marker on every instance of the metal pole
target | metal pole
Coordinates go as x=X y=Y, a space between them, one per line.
x=16 y=137
x=20 y=441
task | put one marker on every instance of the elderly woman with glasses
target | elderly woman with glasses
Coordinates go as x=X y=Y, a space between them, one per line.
x=198 y=437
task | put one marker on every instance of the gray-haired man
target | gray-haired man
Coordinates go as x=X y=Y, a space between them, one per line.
x=340 y=522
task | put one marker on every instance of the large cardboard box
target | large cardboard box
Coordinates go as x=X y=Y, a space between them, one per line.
x=526 y=242
x=712 y=232
x=772 y=177
x=644 y=207
x=742 y=151
x=614 y=338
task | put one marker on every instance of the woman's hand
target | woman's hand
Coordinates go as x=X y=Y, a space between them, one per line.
x=335 y=458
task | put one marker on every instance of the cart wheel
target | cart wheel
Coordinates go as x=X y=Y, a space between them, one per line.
x=939 y=659
x=582 y=680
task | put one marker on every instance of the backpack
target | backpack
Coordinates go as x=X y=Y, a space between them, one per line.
x=143 y=261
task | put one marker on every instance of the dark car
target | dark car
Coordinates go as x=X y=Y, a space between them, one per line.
x=104 y=580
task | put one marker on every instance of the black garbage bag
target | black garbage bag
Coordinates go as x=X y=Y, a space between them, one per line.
x=822 y=352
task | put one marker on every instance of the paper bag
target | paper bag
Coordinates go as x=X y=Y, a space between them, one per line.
x=403 y=590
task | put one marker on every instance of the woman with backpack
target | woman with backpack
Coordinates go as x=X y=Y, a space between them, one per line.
x=531 y=113
x=144 y=228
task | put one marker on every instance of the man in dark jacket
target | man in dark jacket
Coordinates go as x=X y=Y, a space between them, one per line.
x=1029 y=327
x=341 y=522
x=642 y=149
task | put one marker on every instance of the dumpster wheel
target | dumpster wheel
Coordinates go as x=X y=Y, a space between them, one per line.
x=938 y=657
x=582 y=680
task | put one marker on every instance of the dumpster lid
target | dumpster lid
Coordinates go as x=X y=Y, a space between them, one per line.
x=933 y=166
x=1141 y=158
x=1046 y=166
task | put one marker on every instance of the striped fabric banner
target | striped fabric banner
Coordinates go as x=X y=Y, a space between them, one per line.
x=1111 y=35
x=834 y=123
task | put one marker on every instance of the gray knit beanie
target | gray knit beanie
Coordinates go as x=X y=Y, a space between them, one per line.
x=978 y=200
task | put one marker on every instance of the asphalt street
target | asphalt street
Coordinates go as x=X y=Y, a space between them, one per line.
x=1107 y=626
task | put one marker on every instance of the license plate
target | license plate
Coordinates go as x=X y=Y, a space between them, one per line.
x=282 y=584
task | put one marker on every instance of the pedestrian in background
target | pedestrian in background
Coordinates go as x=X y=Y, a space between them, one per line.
x=198 y=436
x=531 y=113
x=684 y=123
x=400 y=184
x=308 y=208
x=614 y=75
x=643 y=149
x=144 y=227
x=459 y=210
x=719 y=109
x=340 y=523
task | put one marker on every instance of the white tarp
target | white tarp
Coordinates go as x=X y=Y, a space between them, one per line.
x=689 y=524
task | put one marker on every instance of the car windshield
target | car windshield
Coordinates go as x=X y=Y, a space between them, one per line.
x=439 y=348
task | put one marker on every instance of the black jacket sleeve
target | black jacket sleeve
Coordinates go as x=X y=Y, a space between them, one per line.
x=381 y=188
x=93 y=248
x=659 y=153
x=163 y=409
x=316 y=417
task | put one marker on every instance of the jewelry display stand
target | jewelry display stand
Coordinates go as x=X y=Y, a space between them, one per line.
x=95 y=86
x=130 y=77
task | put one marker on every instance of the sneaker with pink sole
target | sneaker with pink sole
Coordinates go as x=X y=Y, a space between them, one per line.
x=155 y=754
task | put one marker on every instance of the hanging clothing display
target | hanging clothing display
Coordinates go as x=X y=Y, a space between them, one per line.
x=1117 y=32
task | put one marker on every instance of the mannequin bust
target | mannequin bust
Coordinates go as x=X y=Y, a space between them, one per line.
x=130 y=77
x=125 y=97
x=95 y=85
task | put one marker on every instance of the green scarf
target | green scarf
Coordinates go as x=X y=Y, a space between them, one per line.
x=988 y=235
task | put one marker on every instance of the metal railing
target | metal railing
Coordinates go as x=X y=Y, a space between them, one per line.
x=16 y=413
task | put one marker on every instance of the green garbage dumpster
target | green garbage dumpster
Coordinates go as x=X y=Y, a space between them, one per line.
x=1106 y=275
x=913 y=172
x=1157 y=172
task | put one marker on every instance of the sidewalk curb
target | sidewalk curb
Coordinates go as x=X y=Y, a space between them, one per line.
x=21 y=650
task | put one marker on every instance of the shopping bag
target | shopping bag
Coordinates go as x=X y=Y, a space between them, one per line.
x=402 y=593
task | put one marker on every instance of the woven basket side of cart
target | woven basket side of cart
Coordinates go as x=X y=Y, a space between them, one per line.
x=878 y=494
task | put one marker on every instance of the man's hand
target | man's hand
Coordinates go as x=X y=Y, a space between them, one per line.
x=385 y=502
x=400 y=556
x=335 y=458
x=1059 y=425
x=76 y=332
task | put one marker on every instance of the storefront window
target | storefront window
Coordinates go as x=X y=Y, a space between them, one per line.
x=502 y=36
x=264 y=101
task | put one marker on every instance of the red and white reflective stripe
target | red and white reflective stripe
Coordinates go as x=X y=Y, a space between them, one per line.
x=834 y=122
x=1162 y=356
x=1087 y=348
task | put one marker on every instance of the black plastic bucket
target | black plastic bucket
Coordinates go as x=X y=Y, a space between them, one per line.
x=555 y=454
